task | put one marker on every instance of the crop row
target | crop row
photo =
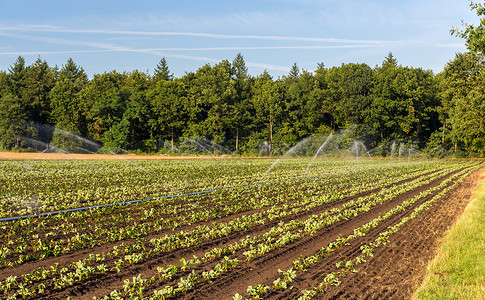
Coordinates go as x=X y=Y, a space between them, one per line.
x=344 y=267
x=35 y=192
x=31 y=238
x=136 y=253
x=286 y=233
x=241 y=223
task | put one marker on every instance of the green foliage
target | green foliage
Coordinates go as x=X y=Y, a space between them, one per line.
x=65 y=98
x=471 y=33
x=162 y=72
x=268 y=105
x=13 y=122
x=405 y=103
x=463 y=89
x=168 y=101
x=224 y=104
x=38 y=81
x=143 y=232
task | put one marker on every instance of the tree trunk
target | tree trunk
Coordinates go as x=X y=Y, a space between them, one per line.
x=443 y=139
x=172 y=138
x=132 y=136
x=271 y=138
x=237 y=139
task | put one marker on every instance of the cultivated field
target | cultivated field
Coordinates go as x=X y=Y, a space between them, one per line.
x=224 y=229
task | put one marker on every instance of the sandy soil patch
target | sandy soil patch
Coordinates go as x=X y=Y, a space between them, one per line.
x=71 y=156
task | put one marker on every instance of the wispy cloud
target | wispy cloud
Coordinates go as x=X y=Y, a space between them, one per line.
x=452 y=45
x=59 y=41
x=46 y=28
x=236 y=48
x=103 y=47
x=106 y=47
x=94 y=40
x=30 y=32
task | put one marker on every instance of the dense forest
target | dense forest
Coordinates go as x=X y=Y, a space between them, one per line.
x=223 y=103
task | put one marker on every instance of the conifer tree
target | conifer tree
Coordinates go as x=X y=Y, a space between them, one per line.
x=162 y=72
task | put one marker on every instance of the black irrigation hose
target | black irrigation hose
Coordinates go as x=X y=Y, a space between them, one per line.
x=149 y=199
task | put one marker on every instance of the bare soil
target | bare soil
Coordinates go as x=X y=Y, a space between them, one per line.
x=398 y=268
x=73 y=156
x=374 y=280
x=393 y=272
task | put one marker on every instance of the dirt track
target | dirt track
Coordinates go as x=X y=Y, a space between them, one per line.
x=73 y=156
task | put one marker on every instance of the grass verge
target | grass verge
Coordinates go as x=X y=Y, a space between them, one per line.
x=458 y=270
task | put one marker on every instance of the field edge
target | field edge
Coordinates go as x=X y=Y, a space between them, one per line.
x=456 y=271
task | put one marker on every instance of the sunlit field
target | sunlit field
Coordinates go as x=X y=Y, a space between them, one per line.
x=220 y=228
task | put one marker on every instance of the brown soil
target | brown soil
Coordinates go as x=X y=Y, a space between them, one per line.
x=264 y=270
x=393 y=272
x=73 y=156
x=398 y=268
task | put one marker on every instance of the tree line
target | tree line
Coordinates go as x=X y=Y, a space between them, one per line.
x=226 y=105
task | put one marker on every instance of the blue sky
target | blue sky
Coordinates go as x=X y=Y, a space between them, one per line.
x=107 y=35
